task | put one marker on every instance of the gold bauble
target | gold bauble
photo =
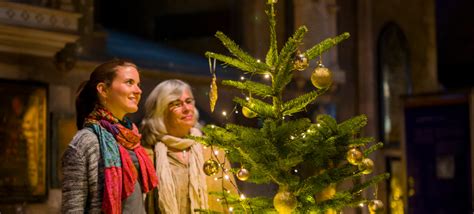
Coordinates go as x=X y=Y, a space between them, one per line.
x=366 y=166
x=354 y=156
x=248 y=113
x=301 y=62
x=327 y=193
x=321 y=77
x=375 y=206
x=210 y=167
x=243 y=174
x=284 y=201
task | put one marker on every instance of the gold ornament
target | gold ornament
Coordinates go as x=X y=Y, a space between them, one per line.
x=210 y=167
x=284 y=201
x=243 y=174
x=366 y=166
x=301 y=62
x=354 y=156
x=213 y=93
x=375 y=206
x=248 y=113
x=321 y=77
x=327 y=193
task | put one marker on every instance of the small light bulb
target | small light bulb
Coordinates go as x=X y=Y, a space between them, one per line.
x=247 y=98
x=361 y=205
x=267 y=76
x=318 y=125
x=228 y=191
x=258 y=60
x=296 y=171
x=213 y=126
x=218 y=199
x=216 y=152
x=216 y=179
x=231 y=209
x=242 y=78
x=291 y=137
x=242 y=196
x=226 y=177
x=224 y=113
x=236 y=111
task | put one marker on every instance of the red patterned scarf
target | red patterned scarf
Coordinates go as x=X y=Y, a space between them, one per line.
x=119 y=172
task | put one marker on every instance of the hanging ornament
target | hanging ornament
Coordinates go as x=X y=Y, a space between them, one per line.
x=284 y=201
x=211 y=167
x=213 y=87
x=354 y=156
x=243 y=174
x=321 y=77
x=248 y=113
x=366 y=166
x=301 y=62
x=327 y=193
x=375 y=206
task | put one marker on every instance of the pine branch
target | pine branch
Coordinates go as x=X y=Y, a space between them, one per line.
x=352 y=125
x=232 y=61
x=283 y=68
x=218 y=136
x=372 y=181
x=263 y=109
x=325 y=45
x=373 y=148
x=255 y=88
x=360 y=141
x=327 y=124
x=272 y=54
x=299 y=103
x=316 y=183
x=240 y=54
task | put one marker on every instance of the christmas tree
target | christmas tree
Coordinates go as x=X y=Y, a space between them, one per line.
x=273 y=152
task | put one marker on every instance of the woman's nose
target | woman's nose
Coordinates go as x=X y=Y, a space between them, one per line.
x=137 y=90
x=187 y=107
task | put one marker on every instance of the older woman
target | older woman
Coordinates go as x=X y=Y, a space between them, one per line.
x=170 y=116
x=105 y=168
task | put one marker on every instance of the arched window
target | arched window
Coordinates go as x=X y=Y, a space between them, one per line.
x=394 y=80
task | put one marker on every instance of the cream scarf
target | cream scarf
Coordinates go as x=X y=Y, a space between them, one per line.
x=197 y=179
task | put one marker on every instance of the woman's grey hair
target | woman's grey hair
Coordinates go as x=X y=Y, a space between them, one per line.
x=157 y=108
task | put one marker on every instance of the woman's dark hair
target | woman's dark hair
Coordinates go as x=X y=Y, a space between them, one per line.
x=87 y=98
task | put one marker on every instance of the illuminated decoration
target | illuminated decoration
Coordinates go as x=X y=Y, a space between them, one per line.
x=366 y=166
x=354 y=156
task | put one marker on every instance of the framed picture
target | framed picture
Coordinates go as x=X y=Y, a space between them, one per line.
x=63 y=129
x=23 y=141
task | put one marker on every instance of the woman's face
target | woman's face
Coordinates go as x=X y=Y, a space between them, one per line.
x=180 y=118
x=124 y=93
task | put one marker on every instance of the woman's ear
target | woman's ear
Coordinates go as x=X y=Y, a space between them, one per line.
x=102 y=89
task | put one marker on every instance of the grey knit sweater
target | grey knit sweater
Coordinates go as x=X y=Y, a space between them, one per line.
x=83 y=174
x=83 y=178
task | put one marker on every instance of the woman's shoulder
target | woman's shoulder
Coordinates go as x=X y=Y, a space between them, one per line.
x=84 y=138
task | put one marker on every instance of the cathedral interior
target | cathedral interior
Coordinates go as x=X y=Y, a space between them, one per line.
x=407 y=66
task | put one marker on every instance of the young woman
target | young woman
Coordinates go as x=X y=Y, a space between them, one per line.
x=105 y=168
